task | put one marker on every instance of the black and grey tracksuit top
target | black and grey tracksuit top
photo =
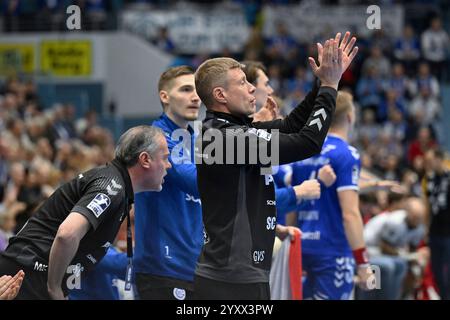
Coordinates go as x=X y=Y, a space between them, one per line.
x=238 y=201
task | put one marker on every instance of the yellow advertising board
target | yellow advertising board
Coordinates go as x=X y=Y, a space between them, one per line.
x=66 y=58
x=16 y=57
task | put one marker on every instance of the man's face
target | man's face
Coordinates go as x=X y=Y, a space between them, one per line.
x=181 y=99
x=239 y=94
x=263 y=89
x=159 y=166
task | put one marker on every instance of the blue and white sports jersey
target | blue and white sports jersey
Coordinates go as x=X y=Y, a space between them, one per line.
x=169 y=226
x=321 y=220
x=281 y=175
x=284 y=193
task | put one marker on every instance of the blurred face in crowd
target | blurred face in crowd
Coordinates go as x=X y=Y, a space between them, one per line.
x=415 y=212
x=7 y=222
x=408 y=32
x=18 y=173
x=368 y=116
x=435 y=161
x=398 y=70
x=424 y=70
x=429 y=160
x=436 y=24
x=395 y=115
x=239 y=93
x=376 y=52
x=181 y=101
x=263 y=89
x=392 y=162
x=424 y=135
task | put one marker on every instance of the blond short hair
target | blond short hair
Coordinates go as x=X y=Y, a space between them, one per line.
x=167 y=78
x=211 y=74
x=344 y=105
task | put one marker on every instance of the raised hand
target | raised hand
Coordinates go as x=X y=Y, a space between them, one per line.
x=327 y=175
x=308 y=190
x=10 y=286
x=348 y=54
x=348 y=51
x=330 y=70
x=269 y=112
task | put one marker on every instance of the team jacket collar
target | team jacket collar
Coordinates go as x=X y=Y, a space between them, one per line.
x=172 y=126
x=228 y=117
x=126 y=178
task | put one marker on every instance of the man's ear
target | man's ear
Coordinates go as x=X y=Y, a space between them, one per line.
x=349 y=117
x=164 y=97
x=145 y=160
x=219 y=95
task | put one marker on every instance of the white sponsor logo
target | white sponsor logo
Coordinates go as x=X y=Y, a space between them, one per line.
x=338 y=283
x=179 y=294
x=106 y=245
x=80 y=176
x=258 y=256
x=205 y=237
x=311 y=235
x=268 y=179
x=320 y=296
x=264 y=135
x=115 y=184
x=261 y=133
x=111 y=192
x=40 y=267
x=308 y=215
x=99 y=204
x=111 y=189
x=271 y=223
x=91 y=258
x=193 y=199
x=316 y=121
x=271 y=203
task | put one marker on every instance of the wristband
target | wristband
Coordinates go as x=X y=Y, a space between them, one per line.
x=361 y=256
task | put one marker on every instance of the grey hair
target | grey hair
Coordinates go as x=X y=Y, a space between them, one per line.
x=136 y=140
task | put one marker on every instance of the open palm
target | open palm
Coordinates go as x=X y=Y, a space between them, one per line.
x=347 y=53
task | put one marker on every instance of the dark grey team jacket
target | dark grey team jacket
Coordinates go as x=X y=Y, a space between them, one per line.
x=238 y=201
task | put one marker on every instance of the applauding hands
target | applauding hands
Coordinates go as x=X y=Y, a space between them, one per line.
x=333 y=58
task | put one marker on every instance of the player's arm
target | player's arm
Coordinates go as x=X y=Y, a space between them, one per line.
x=63 y=249
x=283 y=231
x=183 y=172
x=291 y=218
x=288 y=197
x=353 y=226
x=185 y=177
x=114 y=263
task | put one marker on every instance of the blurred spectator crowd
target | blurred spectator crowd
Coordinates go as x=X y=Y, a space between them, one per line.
x=41 y=149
